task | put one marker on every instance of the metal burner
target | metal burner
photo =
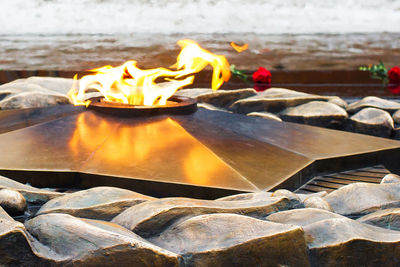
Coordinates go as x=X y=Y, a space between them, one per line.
x=175 y=105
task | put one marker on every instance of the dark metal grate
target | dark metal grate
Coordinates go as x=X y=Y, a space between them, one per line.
x=331 y=182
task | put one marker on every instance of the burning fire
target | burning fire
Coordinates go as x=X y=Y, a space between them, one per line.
x=239 y=48
x=130 y=85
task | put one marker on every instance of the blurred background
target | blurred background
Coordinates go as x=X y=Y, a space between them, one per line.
x=282 y=35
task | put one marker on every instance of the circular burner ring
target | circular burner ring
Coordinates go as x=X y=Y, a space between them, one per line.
x=175 y=105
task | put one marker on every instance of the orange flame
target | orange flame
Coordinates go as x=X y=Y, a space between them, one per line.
x=239 y=48
x=130 y=85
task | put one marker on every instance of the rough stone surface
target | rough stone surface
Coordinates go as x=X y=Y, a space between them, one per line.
x=31 y=194
x=12 y=201
x=225 y=98
x=211 y=107
x=338 y=101
x=83 y=243
x=390 y=178
x=57 y=84
x=373 y=102
x=234 y=240
x=15 y=246
x=4 y=215
x=32 y=100
x=296 y=201
x=275 y=100
x=248 y=196
x=265 y=115
x=396 y=117
x=372 y=121
x=151 y=218
x=317 y=113
x=305 y=196
x=17 y=95
x=345 y=242
x=302 y=217
x=102 y=203
x=363 y=198
x=389 y=218
x=317 y=202
x=193 y=92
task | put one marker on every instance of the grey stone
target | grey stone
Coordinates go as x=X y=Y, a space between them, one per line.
x=317 y=113
x=102 y=203
x=317 y=202
x=56 y=84
x=15 y=244
x=363 y=198
x=211 y=107
x=193 y=92
x=21 y=86
x=32 y=100
x=345 y=242
x=265 y=115
x=372 y=121
x=111 y=227
x=234 y=240
x=302 y=217
x=87 y=243
x=388 y=218
x=305 y=196
x=225 y=98
x=396 y=117
x=4 y=215
x=152 y=217
x=219 y=99
x=31 y=194
x=373 y=102
x=294 y=199
x=390 y=178
x=275 y=100
x=247 y=196
x=23 y=94
x=12 y=201
x=338 y=101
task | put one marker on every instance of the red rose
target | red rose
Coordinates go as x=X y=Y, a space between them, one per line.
x=394 y=80
x=394 y=75
x=262 y=79
x=395 y=89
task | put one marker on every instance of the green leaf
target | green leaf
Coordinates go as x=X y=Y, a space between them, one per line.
x=240 y=74
x=377 y=71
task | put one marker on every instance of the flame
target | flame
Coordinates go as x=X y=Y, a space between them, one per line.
x=239 y=48
x=131 y=85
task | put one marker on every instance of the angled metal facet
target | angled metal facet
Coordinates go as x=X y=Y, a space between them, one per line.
x=211 y=152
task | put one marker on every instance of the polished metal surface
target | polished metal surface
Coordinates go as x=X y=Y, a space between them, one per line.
x=205 y=154
x=16 y=119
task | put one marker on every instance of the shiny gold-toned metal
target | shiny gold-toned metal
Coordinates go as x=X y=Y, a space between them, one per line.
x=205 y=154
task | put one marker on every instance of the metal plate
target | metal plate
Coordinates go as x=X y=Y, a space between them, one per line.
x=206 y=154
